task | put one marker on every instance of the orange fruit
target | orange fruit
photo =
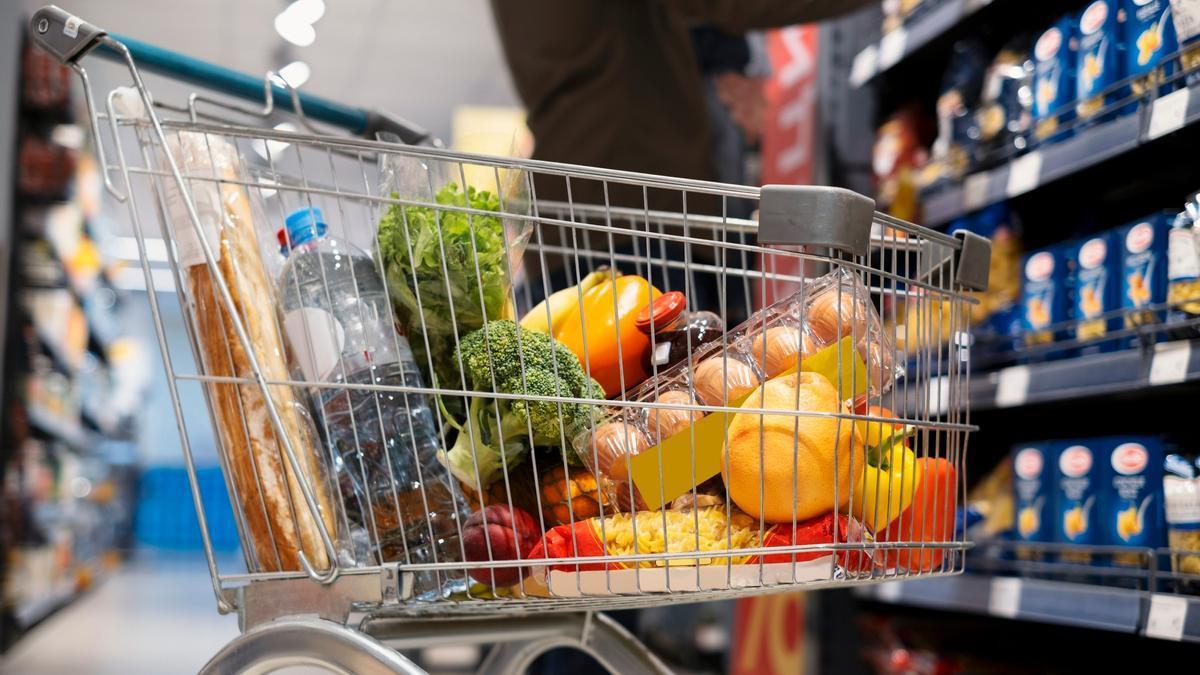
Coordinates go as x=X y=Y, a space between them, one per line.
x=773 y=457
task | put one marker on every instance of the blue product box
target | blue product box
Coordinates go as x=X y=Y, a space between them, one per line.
x=1044 y=295
x=1099 y=63
x=1149 y=34
x=1096 y=292
x=1078 y=482
x=1144 y=267
x=1054 y=79
x=1033 y=494
x=1132 y=502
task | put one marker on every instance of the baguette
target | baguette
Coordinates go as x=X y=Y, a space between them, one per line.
x=276 y=522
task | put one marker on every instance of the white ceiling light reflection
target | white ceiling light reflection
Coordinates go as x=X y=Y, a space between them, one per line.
x=269 y=150
x=295 y=23
x=308 y=11
x=295 y=73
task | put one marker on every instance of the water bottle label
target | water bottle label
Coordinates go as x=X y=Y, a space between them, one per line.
x=317 y=338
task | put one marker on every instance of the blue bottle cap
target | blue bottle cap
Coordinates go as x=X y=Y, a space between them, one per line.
x=305 y=224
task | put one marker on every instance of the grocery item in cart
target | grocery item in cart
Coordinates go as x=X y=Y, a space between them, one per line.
x=603 y=331
x=496 y=434
x=1098 y=63
x=1096 y=291
x=1181 y=493
x=1149 y=35
x=447 y=264
x=1054 y=78
x=338 y=324
x=1144 y=267
x=786 y=467
x=929 y=519
x=889 y=478
x=277 y=523
x=831 y=318
x=674 y=332
x=703 y=530
x=1078 y=481
x=1183 y=272
x=1131 y=506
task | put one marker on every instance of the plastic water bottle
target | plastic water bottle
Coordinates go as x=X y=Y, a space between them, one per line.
x=339 y=328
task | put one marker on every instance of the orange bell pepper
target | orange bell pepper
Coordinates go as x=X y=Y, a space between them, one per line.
x=605 y=308
x=929 y=518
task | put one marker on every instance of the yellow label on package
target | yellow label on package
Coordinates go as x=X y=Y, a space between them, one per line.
x=692 y=456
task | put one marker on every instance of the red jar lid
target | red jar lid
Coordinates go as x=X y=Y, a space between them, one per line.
x=663 y=311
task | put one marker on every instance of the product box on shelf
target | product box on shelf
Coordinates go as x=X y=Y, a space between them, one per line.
x=1054 y=78
x=1033 y=493
x=1095 y=296
x=1098 y=63
x=1183 y=276
x=1144 y=267
x=1078 y=479
x=1045 y=276
x=1181 y=497
x=1131 y=503
x=1149 y=34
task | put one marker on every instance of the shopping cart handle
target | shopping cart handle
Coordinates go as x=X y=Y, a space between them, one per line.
x=69 y=38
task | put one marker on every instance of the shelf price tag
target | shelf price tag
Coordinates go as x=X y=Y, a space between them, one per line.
x=1012 y=386
x=891 y=48
x=1167 y=114
x=1169 y=365
x=1024 y=174
x=1166 y=617
x=863 y=67
x=889 y=591
x=939 y=395
x=975 y=191
x=1005 y=598
x=1186 y=14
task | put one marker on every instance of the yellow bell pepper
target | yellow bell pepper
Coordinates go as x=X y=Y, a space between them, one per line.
x=886 y=488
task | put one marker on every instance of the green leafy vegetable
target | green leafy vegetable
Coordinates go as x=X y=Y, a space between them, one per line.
x=519 y=361
x=455 y=263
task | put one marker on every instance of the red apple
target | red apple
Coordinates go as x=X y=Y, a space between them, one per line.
x=512 y=534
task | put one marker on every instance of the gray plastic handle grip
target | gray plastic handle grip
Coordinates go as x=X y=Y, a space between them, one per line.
x=811 y=215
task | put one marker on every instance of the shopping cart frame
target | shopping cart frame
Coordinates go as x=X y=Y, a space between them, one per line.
x=276 y=609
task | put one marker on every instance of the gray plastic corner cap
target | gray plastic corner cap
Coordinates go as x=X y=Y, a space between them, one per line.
x=974 y=261
x=971 y=262
x=64 y=35
x=810 y=215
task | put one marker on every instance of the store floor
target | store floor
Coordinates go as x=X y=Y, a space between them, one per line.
x=156 y=615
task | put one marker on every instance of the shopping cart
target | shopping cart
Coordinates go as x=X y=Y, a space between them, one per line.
x=502 y=487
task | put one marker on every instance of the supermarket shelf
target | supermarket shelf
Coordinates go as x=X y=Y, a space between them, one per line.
x=1087 y=148
x=33 y=612
x=1092 y=375
x=898 y=44
x=1058 y=602
x=54 y=427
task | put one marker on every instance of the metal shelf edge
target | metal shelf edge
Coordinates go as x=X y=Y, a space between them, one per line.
x=1058 y=602
x=1089 y=147
x=914 y=36
x=1079 y=377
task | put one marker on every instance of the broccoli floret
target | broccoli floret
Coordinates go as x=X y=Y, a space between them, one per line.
x=504 y=358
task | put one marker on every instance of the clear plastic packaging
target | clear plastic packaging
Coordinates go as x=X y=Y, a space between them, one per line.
x=830 y=327
x=449 y=267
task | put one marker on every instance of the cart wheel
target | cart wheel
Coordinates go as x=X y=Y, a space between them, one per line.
x=310 y=642
x=601 y=637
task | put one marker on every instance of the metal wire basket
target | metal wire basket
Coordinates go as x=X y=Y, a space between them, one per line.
x=457 y=385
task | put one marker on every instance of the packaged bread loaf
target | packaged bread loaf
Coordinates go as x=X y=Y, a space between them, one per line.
x=276 y=522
